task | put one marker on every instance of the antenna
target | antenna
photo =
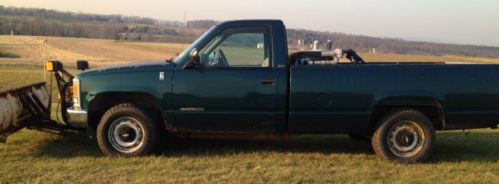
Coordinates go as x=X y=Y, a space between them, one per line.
x=185 y=22
x=185 y=27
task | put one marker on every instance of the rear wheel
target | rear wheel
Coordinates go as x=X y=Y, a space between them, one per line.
x=405 y=136
x=127 y=130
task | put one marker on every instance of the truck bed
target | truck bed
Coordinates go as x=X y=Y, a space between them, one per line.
x=341 y=97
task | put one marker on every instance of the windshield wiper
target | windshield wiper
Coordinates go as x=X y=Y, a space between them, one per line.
x=169 y=60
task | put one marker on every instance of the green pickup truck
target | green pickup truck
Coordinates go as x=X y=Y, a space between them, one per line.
x=238 y=81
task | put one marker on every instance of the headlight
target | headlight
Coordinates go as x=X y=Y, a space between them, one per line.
x=76 y=93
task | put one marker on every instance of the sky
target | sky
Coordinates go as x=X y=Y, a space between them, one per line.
x=473 y=22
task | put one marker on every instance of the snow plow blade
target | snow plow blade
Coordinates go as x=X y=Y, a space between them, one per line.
x=22 y=107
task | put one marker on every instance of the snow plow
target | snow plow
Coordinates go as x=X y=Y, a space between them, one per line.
x=30 y=106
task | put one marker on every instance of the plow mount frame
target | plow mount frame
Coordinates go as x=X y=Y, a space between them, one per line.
x=30 y=107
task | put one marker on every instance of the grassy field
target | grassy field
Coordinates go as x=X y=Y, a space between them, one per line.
x=33 y=157
x=36 y=157
x=98 y=52
x=29 y=49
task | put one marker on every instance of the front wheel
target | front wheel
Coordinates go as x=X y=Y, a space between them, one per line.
x=127 y=130
x=405 y=136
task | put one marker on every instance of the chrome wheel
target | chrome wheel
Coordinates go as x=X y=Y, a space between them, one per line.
x=406 y=139
x=126 y=135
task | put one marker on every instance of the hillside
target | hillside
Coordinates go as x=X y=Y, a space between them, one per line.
x=100 y=52
x=41 y=22
x=29 y=49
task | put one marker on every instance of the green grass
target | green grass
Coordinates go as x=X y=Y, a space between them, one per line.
x=36 y=157
x=31 y=157
x=12 y=76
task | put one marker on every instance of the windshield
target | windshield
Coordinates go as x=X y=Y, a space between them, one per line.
x=188 y=49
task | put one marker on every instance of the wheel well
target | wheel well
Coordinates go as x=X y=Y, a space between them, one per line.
x=103 y=101
x=434 y=114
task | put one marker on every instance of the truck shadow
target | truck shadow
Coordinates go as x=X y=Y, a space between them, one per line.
x=456 y=146
x=301 y=144
x=451 y=147
x=71 y=146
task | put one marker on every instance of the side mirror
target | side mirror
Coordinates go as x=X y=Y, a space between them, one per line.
x=82 y=65
x=194 y=56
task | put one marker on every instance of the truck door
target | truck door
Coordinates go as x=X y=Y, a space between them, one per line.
x=235 y=89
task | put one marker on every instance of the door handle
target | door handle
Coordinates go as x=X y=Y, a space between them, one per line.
x=268 y=82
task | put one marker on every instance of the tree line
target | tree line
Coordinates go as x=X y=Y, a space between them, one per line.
x=390 y=45
x=42 y=22
x=72 y=16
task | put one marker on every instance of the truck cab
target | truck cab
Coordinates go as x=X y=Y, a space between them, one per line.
x=237 y=73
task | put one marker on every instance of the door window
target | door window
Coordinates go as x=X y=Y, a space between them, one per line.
x=238 y=47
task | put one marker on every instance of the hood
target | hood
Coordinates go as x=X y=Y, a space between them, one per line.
x=133 y=67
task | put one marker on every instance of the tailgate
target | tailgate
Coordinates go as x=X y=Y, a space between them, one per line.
x=23 y=106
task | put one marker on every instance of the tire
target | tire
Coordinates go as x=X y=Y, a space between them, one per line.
x=405 y=136
x=360 y=137
x=127 y=130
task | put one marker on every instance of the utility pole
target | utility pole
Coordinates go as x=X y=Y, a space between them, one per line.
x=44 y=59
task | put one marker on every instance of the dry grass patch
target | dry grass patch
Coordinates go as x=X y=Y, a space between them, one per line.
x=385 y=57
x=98 y=52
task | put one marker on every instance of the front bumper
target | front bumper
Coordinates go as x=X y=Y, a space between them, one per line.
x=77 y=118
